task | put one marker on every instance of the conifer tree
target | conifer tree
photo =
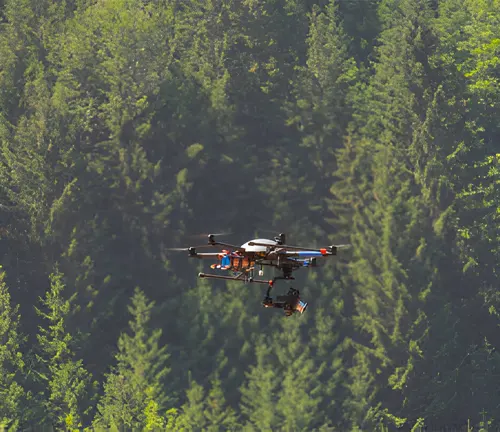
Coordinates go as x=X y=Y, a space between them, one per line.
x=11 y=362
x=69 y=390
x=326 y=339
x=135 y=389
x=219 y=416
x=320 y=112
x=192 y=414
x=389 y=218
x=299 y=395
x=464 y=342
x=206 y=411
x=260 y=391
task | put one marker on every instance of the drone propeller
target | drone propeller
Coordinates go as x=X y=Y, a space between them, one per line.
x=185 y=249
x=204 y=235
x=343 y=246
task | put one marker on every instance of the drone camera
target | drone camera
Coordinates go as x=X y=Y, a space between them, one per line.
x=301 y=306
x=192 y=251
x=211 y=239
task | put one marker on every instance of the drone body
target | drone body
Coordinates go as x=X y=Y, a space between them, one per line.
x=243 y=260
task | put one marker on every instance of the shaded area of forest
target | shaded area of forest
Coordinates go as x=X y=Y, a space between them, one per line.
x=127 y=126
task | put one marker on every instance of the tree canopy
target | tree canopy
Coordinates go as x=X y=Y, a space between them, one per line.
x=129 y=127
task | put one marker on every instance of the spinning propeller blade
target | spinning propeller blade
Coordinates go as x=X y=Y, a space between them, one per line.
x=343 y=246
x=185 y=249
x=205 y=235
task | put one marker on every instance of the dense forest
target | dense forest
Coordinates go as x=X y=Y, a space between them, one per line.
x=129 y=127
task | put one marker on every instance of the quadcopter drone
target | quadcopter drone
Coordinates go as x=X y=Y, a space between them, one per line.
x=242 y=261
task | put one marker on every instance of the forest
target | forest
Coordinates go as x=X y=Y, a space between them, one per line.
x=130 y=127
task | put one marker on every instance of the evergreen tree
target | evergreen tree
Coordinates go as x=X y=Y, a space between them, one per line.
x=219 y=416
x=127 y=125
x=390 y=221
x=206 y=411
x=192 y=415
x=136 y=387
x=259 y=393
x=67 y=399
x=299 y=395
x=320 y=112
x=11 y=362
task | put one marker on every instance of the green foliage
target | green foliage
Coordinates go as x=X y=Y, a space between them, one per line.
x=218 y=415
x=206 y=411
x=192 y=415
x=67 y=399
x=12 y=394
x=134 y=392
x=259 y=395
x=126 y=126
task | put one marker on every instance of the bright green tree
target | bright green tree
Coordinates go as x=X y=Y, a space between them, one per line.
x=11 y=363
x=299 y=395
x=69 y=388
x=206 y=410
x=192 y=416
x=135 y=390
x=259 y=393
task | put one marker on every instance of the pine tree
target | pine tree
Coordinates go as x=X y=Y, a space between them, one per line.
x=192 y=416
x=327 y=343
x=393 y=225
x=259 y=393
x=11 y=363
x=320 y=113
x=135 y=389
x=219 y=416
x=204 y=411
x=69 y=389
x=299 y=395
x=282 y=390
x=463 y=341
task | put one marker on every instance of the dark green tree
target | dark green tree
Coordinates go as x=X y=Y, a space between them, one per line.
x=395 y=228
x=320 y=113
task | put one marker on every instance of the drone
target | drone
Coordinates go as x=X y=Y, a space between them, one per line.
x=242 y=261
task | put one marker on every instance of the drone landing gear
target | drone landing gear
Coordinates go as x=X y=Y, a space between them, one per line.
x=290 y=302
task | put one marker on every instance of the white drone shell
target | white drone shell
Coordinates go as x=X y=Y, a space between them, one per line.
x=258 y=248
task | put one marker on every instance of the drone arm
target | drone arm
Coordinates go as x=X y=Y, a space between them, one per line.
x=205 y=255
x=304 y=254
x=212 y=242
x=330 y=250
x=324 y=251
